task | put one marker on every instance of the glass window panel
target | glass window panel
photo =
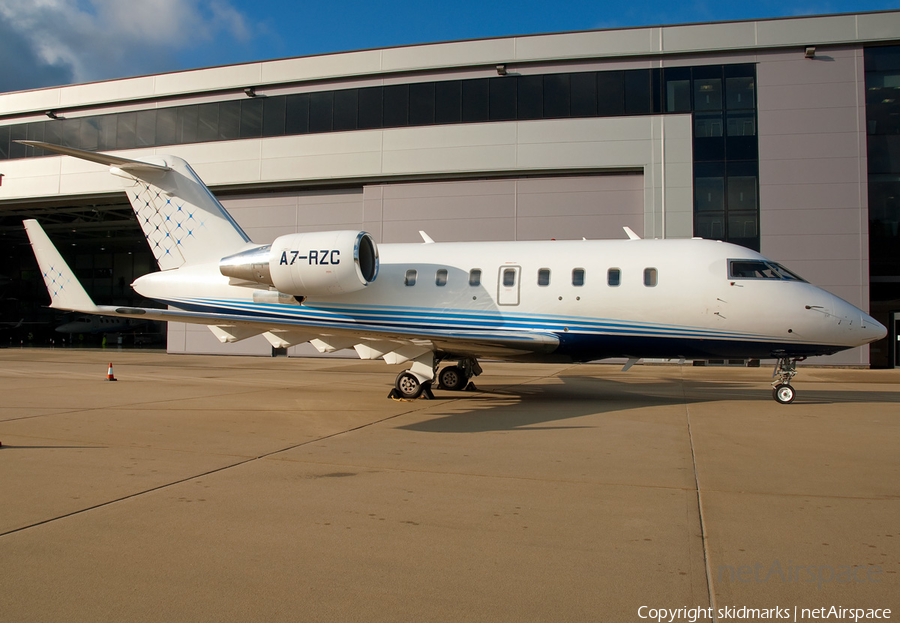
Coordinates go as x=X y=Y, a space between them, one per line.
x=126 y=127
x=440 y=277
x=4 y=142
x=167 y=126
x=509 y=277
x=584 y=94
x=475 y=277
x=742 y=193
x=296 y=114
x=188 y=124
x=475 y=100
x=741 y=226
x=708 y=94
x=502 y=98
x=371 y=106
x=208 y=122
x=708 y=125
x=614 y=277
x=251 y=117
x=740 y=93
x=145 y=129
x=884 y=153
x=741 y=124
x=52 y=133
x=410 y=279
x=882 y=58
x=17 y=132
x=637 y=92
x=396 y=106
x=710 y=226
x=448 y=102
x=651 y=277
x=543 y=277
x=557 y=96
x=678 y=96
x=709 y=194
x=611 y=93
x=421 y=103
x=530 y=92
x=230 y=120
x=578 y=277
x=90 y=133
x=273 y=121
x=346 y=109
x=321 y=111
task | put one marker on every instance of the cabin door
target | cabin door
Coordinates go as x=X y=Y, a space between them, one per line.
x=508 y=285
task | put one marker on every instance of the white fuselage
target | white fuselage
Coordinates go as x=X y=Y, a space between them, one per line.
x=633 y=298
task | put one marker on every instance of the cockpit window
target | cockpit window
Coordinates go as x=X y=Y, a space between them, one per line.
x=758 y=269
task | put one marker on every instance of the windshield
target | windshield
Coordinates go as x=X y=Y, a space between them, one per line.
x=759 y=269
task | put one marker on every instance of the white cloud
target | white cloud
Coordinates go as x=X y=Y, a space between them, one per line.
x=100 y=39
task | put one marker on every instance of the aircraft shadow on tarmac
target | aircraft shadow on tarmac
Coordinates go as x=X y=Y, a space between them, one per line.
x=549 y=404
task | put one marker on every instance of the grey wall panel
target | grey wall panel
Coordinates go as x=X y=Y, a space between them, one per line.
x=812 y=172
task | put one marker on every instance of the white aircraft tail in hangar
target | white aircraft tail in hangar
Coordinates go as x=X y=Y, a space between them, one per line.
x=429 y=303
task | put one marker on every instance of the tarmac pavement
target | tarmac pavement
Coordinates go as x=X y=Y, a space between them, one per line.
x=210 y=488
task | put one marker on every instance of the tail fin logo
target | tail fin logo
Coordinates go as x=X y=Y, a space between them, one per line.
x=168 y=222
x=56 y=282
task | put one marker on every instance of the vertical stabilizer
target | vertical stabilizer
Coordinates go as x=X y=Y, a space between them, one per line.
x=64 y=288
x=182 y=221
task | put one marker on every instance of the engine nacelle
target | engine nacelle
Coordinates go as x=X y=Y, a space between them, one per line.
x=309 y=264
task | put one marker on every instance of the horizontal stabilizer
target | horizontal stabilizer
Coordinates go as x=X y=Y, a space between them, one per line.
x=65 y=290
x=113 y=161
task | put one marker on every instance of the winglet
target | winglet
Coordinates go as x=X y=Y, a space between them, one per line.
x=631 y=234
x=64 y=288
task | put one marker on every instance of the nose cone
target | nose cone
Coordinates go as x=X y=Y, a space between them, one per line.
x=859 y=327
x=872 y=330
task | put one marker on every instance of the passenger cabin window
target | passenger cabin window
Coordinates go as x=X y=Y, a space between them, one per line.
x=509 y=277
x=544 y=277
x=475 y=277
x=614 y=277
x=650 y=277
x=410 y=277
x=758 y=269
x=578 y=277
x=440 y=278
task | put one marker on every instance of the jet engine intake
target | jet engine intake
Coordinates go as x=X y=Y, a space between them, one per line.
x=309 y=264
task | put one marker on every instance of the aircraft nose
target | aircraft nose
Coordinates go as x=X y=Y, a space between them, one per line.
x=872 y=329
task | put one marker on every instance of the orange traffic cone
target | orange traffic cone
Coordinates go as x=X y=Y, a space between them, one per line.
x=109 y=374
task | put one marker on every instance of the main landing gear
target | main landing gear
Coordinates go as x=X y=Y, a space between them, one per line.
x=410 y=386
x=785 y=370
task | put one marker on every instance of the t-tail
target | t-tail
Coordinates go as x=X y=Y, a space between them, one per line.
x=183 y=222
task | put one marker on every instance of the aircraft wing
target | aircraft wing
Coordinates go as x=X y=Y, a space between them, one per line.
x=371 y=341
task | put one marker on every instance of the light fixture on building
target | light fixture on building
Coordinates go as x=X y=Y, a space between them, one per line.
x=250 y=92
x=52 y=114
x=810 y=52
x=501 y=69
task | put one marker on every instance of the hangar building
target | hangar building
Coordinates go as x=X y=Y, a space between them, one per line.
x=782 y=135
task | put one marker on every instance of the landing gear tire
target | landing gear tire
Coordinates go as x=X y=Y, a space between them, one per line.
x=408 y=386
x=783 y=393
x=452 y=378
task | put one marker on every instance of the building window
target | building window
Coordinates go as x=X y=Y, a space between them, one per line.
x=440 y=277
x=410 y=279
x=475 y=277
x=614 y=277
x=650 y=277
x=578 y=277
x=543 y=277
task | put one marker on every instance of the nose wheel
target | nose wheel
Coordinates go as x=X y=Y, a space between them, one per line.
x=785 y=370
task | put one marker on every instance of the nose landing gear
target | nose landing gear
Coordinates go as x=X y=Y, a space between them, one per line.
x=785 y=370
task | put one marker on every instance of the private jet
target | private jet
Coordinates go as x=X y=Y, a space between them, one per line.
x=432 y=303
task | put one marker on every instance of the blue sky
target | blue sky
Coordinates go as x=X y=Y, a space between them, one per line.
x=53 y=42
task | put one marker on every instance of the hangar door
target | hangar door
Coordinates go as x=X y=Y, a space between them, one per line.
x=537 y=208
